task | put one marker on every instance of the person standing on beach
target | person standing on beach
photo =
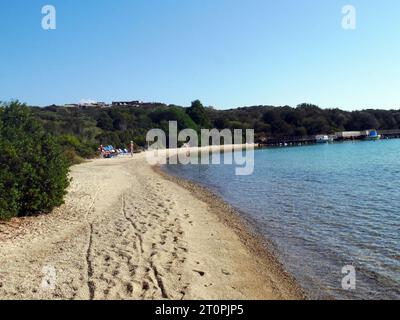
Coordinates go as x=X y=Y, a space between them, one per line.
x=101 y=150
x=132 y=149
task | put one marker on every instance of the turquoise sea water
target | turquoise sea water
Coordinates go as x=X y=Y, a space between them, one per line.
x=323 y=207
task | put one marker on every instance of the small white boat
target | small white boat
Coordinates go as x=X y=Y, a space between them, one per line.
x=322 y=139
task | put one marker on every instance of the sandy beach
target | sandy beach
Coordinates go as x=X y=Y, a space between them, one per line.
x=127 y=231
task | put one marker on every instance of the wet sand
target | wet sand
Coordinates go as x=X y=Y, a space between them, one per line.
x=128 y=231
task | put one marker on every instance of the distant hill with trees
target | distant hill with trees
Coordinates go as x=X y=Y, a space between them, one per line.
x=83 y=130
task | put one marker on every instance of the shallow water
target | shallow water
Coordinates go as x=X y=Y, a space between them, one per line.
x=323 y=207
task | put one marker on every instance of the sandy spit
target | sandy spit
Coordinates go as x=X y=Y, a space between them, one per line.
x=127 y=231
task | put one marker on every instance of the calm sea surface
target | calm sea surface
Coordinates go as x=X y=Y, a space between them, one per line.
x=323 y=207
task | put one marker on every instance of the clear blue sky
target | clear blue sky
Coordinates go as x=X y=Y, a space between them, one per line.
x=228 y=53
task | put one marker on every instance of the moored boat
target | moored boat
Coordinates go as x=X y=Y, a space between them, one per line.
x=322 y=139
x=372 y=135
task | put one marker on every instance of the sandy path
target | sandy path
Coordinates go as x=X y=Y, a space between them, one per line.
x=127 y=233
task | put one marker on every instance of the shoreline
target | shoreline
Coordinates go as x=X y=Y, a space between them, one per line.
x=127 y=232
x=245 y=228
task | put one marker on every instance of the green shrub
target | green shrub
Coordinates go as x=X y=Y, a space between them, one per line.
x=72 y=157
x=33 y=168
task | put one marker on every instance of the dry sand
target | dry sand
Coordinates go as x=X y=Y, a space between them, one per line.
x=128 y=232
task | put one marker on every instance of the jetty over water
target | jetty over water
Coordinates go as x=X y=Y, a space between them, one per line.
x=299 y=140
x=391 y=134
x=338 y=136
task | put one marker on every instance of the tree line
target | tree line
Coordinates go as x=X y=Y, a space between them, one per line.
x=83 y=130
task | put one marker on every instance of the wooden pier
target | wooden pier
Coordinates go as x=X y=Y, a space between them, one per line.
x=294 y=141
x=304 y=140
x=389 y=134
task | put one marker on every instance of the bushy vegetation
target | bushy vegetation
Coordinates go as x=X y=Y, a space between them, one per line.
x=33 y=167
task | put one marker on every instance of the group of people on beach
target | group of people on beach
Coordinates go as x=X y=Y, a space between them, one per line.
x=111 y=152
